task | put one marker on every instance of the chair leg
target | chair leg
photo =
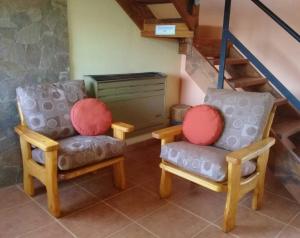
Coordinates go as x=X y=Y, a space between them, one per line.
x=27 y=178
x=28 y=183
x=230 y=212
x=259 y=190
x=234 y=176
x=119 y=175
x=165 y=184
x=52 y=183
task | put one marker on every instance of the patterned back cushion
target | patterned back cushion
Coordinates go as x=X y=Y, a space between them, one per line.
x=245 y=115
x=46 y=107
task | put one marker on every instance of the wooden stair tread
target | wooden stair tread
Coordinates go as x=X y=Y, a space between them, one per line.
x=280 y=101
x=208 y=47
x=246 y=82
x=231 y=61
x=287 y=127
x=153 y=1
x=164 y=21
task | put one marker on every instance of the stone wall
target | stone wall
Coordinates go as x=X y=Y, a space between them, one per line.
x=33 y=49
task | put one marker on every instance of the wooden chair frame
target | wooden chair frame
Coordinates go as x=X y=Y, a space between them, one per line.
x=49 y=174
x=235 y=186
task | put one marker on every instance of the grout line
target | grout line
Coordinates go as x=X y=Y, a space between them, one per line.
x=34 y=230
x=145 y=228
x=132 y=220
x=87 y=191
x=15 y=206
x=66 y=228
x=288 y=224
x=281 y=196
x=194 y=214
x=197 y=233
x=82 y=209
x=51 y=216
x=118 y=211
x=121 y=192
x=262 y=214
x=151 y=213
x=230 y=234
x=117 y=231
x=107 y=198
x=175 y=204
x=292 y=219
x=280 y=232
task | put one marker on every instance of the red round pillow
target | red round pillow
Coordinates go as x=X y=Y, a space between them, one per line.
x=90 y=117
x=203 y=125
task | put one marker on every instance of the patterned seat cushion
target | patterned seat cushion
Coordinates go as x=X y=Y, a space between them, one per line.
x=78 y=151
x=245 y=115
x=46 y=107
x=206 y=161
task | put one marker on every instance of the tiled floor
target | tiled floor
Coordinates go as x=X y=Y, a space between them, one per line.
x=92 y=207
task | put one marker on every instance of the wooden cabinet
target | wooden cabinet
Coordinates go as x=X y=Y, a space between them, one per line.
x=138 y=99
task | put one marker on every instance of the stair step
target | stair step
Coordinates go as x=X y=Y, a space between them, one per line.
x=208 y=47
x=280 y=101
x=153 y=1
x=231 y=61
x=287 y=127
x=246 y=82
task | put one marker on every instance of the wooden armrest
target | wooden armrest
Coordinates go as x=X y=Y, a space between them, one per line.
x=251 y=151
x=122 y=127
x=167 y=132
x=38 y=140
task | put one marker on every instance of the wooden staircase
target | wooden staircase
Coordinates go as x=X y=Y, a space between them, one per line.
x=140 y=12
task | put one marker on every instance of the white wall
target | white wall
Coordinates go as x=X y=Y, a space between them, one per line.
x=104 y=40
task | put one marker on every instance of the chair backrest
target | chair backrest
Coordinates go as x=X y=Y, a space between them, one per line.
x=248 y=116
x=45 y=108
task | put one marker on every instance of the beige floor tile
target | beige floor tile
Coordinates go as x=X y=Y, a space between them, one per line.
x=21 y=219
x=12 y=196
x=204 y=203
x=277 y=207
x=290 y=232
x=142 y=174
x=213 y=232
x=173 y=222
x=180 y=186
x=71 y=199
x=53 y=230
x=250 y=224
x=97 y=221
x=147 y=156
x=133 y=231
x=296 y=221
x=102 y=187
x=136 y=202
x=274 y=185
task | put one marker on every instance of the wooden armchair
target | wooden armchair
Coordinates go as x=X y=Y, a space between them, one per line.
x=235 y=185
x=48 y=172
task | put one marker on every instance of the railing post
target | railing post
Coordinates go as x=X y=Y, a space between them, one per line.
x=223 y=53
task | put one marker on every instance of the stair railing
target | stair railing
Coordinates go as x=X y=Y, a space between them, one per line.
x=227 y=36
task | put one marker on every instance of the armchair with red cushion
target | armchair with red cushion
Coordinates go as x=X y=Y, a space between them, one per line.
x=226 y=150
x=51 y=147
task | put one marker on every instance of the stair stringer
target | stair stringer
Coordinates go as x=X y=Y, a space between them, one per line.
x=200 y=70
